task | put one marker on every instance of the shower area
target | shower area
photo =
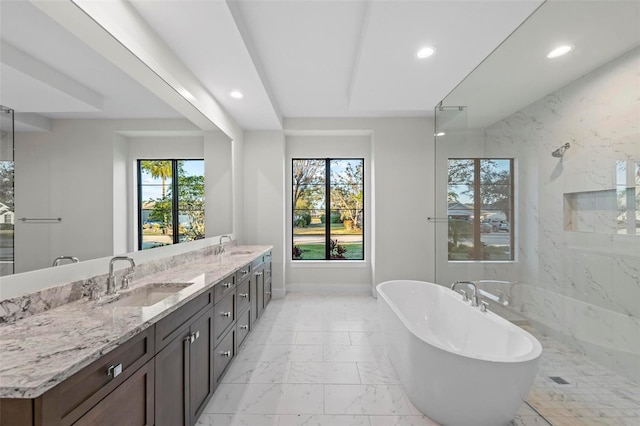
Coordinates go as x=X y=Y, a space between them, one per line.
x=538 y=194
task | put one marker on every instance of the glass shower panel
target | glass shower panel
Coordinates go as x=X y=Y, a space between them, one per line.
x=7 y=207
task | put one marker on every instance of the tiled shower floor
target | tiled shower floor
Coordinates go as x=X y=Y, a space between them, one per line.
x=318 y=359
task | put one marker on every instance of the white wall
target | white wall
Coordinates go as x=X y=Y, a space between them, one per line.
x=66 y=173
x=84 y=172
x=121 y=209
x=217 y=152
x=401 y=183
x=264 y=198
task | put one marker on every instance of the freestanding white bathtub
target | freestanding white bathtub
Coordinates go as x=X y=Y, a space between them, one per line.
x=458 y=365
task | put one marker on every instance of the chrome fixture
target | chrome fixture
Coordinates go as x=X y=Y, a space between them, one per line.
x=111 y=280
x=59 y=259
x=559 y=153
x=483 y=306
x=221 y=246
x=474 y=298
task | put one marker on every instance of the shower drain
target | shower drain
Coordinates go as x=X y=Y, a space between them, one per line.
x=559 y=380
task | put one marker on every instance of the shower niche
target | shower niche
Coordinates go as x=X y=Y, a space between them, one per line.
x=609 y=211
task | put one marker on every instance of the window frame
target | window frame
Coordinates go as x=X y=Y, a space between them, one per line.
x=175 y=207
x=477 y=209
x=327 y=208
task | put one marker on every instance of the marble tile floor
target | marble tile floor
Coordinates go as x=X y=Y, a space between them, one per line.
x=319 y=360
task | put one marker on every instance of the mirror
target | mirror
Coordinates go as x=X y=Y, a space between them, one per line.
x=81 y=123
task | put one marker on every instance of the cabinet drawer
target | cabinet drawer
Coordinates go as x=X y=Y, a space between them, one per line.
x=243 y=272
x=223 y=354
x=224 y=313
x=130 y=404
x=75 y=396
x=176 y=323
x=221 y=289
x=243 y=295
x=243 y=327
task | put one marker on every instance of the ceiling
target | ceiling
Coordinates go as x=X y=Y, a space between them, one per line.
x=290 y=58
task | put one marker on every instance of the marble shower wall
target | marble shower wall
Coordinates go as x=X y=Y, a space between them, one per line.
x=578 y=282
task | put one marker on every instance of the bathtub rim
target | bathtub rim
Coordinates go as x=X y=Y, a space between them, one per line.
x=533 y=354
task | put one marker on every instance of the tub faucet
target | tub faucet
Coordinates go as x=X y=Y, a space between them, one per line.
x=111 y=280
x=474 y=298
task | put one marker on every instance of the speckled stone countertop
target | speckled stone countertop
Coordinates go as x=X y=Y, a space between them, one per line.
x=42 y=350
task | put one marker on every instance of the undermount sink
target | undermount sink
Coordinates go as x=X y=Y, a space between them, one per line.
x=239 y=252
x=147 y=295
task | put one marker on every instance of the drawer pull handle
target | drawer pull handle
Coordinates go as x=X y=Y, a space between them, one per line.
x=196 y=335
x=114 y=370
x=244 y=327
x=245 y=295
x=226 y=285
x=258 y=274
x=244 y=272
x=267 y=292
x=226 y=314
x=225 y=353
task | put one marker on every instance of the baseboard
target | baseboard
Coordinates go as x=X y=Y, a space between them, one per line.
x=329 y=288
x=278 y=293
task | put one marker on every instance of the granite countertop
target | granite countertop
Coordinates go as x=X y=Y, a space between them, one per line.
x=42 y=350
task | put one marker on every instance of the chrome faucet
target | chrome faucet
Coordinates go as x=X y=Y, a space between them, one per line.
x=111 y=280
x=59 y=259
x=474 y=298
x=221 y=247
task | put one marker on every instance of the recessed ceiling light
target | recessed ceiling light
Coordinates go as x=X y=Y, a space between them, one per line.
x=559 y=51
x=425 y=52
x=440 y=134
x=236 y=94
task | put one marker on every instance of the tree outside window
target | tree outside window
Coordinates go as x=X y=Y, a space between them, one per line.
x=480 y=209
x=328 y=209
x=170 y=210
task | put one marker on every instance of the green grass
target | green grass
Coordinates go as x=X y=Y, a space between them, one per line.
x=318 y=229
x=316 y=251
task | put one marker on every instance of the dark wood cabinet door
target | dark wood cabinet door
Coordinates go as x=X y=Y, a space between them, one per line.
x=130 y=404
x=201 y=365
x=171 y=383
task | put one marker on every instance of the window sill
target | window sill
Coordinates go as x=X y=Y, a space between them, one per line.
x=302 y=264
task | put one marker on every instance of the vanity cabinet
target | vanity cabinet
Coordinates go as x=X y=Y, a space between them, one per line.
x=184 y=369
x=166 y=374
x=261 y=268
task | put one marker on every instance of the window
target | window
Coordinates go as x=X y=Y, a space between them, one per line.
x=328 y=209
x=480 y=209
x=170 y=210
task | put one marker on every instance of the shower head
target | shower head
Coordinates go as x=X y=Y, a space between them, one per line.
x=559 y=153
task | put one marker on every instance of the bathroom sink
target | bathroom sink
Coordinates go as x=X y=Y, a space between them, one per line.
x=239 y=252
x=147 y=295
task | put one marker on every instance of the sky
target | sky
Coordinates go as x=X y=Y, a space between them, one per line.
x=191 y=168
